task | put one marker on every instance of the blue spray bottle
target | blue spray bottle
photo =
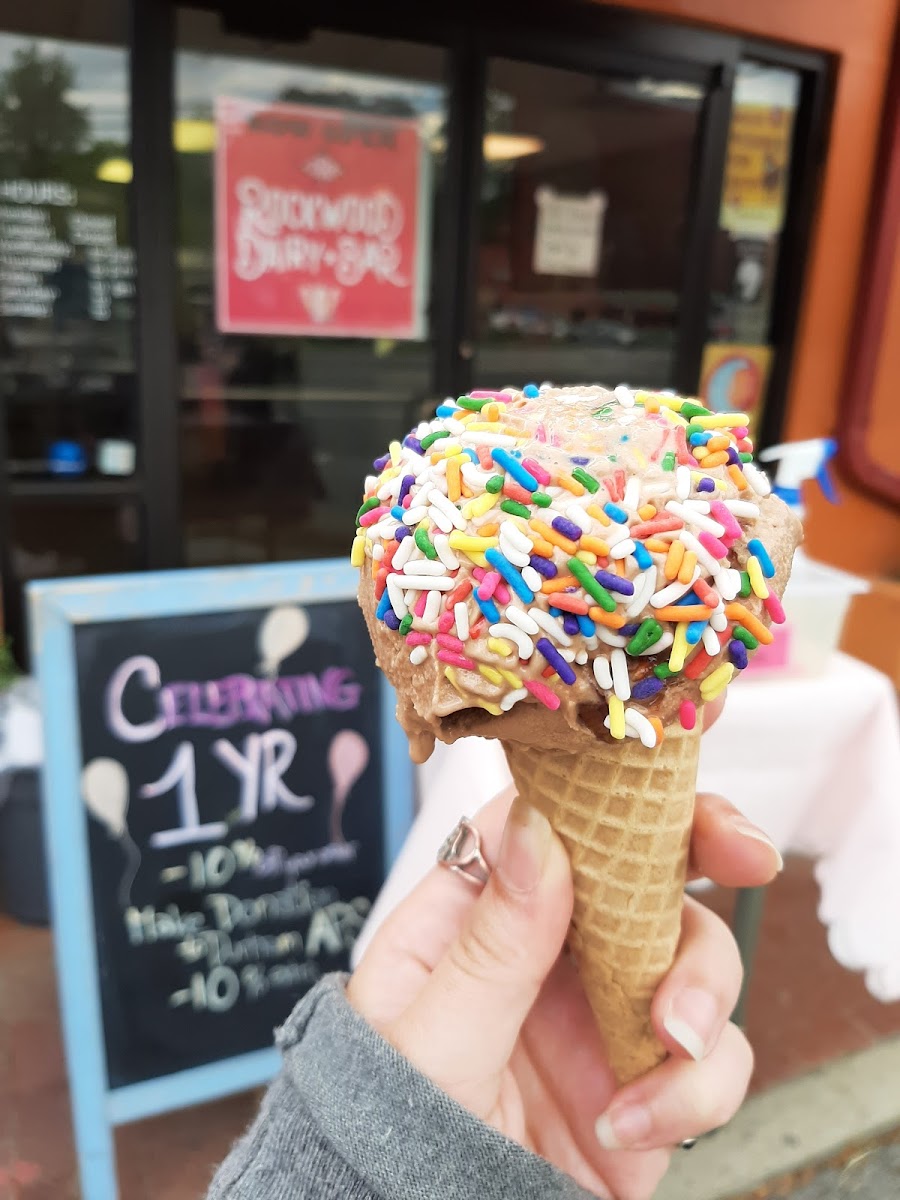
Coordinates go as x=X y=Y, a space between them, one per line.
x=817 y=594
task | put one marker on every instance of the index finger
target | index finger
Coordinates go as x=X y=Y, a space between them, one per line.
x=729 y=849
x=414 y=937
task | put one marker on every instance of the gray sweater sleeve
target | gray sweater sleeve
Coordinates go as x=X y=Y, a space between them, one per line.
x=348 y=1118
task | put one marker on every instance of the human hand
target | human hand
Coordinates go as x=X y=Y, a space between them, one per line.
x=476 y=992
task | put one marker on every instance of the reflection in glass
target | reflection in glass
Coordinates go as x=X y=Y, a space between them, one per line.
x=53 y=538
x=66 y=267
x=582 y=225
x=278 y=431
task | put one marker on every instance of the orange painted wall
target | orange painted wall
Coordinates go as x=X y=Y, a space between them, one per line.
x=861 y=534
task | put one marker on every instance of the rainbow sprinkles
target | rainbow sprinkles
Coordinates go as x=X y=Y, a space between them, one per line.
x=555 y=539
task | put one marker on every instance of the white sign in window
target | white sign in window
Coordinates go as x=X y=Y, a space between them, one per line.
x=568 y=232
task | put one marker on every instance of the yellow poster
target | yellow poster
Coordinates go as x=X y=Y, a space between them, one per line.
x=734 y=378
x=756 y=170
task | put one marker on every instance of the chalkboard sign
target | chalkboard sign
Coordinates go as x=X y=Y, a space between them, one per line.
x=225 y=786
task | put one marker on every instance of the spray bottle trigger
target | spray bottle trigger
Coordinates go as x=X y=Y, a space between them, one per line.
x=826 y=483
x=823 y=475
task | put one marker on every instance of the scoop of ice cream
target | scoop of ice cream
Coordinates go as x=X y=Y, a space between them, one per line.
x=558 y=565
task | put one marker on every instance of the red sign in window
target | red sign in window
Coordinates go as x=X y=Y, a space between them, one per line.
x=318 y=222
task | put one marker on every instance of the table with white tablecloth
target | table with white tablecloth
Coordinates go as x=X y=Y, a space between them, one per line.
x=815 y=762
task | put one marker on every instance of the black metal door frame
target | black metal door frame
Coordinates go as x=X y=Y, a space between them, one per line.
x=612 y=42
x=584 y=38
x=153 y=193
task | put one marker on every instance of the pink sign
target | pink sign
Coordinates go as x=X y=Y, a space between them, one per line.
x=318 y=222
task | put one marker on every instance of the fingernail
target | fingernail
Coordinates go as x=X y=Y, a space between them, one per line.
x=692 y=1020
x=749 y=830
x=623 y=1127
x=523 y=850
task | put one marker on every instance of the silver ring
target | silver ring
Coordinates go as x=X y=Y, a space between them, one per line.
x=689 y=1143
x=461 y=852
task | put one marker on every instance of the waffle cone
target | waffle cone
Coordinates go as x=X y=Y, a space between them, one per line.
x=624 y=814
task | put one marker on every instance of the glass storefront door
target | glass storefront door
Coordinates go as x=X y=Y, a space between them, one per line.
x=309 y=177
x=367 y=217
x=306 y=189
x=583 y=217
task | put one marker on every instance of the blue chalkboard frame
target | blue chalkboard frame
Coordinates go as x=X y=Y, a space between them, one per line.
x=55 y=609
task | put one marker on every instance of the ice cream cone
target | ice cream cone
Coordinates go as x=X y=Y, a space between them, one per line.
x=561 y=569
x=624 y=814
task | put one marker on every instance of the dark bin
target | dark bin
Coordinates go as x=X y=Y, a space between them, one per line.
x=23 y=871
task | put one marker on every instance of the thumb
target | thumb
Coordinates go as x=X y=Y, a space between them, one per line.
x=462 y=1027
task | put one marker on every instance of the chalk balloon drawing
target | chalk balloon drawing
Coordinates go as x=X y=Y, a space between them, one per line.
x=283 y=631
x=104 y=789
x=348 y=757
